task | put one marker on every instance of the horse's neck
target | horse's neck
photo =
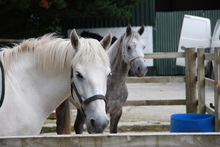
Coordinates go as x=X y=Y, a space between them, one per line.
x=31 y=90
x=119 y=67
x=43 y=88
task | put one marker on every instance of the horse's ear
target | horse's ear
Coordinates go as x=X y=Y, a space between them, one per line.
x=106 y=41
x=128 y=30
x=141 y=30
x=74 y=38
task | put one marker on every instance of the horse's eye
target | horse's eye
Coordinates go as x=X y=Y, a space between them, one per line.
x=144 y=47
x=129 y=47
x=79 y=75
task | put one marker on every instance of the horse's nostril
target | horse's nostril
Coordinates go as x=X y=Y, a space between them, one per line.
x=139 y=69
x=92 y=122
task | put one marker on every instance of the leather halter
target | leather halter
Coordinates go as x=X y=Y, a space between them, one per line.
x=136 y=58
x=130 y=60
x=3 y=84
x=88 y=100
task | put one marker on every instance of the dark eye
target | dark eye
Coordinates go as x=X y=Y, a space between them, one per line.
x=79 y=75
x=144 y=47
x=129 y=47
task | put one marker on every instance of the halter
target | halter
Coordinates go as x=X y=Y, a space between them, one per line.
x=135 y=58
x=88 y=100
x=3 y=84
x=130 y=60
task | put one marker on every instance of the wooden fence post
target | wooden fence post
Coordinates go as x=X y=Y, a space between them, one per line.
x=190 y=75
x=201 y=80
x=216 y=90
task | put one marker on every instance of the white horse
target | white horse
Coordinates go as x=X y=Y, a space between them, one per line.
x=37 y=79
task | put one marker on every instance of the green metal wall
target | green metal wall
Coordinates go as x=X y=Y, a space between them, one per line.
x=142 y=13
x=167 y=33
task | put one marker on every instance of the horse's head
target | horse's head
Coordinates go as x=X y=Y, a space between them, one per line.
x=133 y=50
x=90 y=70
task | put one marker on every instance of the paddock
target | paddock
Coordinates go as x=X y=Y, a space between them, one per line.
x=195 y=103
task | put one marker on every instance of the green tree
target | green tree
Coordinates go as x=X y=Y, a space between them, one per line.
x=32 y=18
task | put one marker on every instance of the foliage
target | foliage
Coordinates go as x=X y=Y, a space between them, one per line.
x=32 y=18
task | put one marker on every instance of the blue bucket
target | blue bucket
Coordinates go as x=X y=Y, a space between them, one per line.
x=192 y=122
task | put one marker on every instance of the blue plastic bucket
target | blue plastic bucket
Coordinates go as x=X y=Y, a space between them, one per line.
x=192 y=122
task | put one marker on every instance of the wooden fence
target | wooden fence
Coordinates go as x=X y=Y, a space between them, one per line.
x=116 y=140
x=10 y=40
x=193 y=76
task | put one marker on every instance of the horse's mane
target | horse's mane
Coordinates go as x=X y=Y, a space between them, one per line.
x=48 y=51
x=52 y=53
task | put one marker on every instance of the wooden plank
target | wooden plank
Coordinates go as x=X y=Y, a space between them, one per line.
x=209 y=82
x=116 y=140
x=10 y=40
x=157 y=79
x=155 y=102
x=209 y=56
x=164 y=55
x=216 y=93
x=201 y=80
x=190 y=65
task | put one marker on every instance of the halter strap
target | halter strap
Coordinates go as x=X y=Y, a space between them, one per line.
x=136 y=58
x=130 y=60
x=92 y=98
x=88 y=100
x=3 y=84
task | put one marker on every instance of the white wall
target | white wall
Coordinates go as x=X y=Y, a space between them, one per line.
x=147 y=36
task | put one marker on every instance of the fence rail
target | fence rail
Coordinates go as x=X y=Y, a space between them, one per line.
x=10 y=40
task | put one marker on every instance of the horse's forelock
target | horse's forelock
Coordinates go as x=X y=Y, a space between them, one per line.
x=132 y=35
x=89 y=51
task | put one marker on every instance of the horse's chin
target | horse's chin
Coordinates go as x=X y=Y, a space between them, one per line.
x=93 y=130
x=98 y=126
x=90 y=132
x=140 y=74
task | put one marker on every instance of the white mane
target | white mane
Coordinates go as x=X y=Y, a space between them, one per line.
x=52 y=53
x=48 y=51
